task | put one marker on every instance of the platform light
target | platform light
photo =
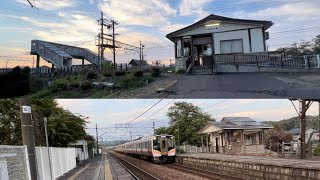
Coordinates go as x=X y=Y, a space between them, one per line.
x=213 y=24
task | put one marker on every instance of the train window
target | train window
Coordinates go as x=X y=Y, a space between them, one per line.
x=171 y=143
x=156 y=143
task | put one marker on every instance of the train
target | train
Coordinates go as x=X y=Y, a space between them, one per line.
x=157 y=148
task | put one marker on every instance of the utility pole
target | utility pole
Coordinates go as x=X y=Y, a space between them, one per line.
x=28 y=135
x=154 y=128
x=140 y=55
x=114 y=41
x=303 y=130
x=304 y=105
x=102 y=38
x=319 y=123
x=97 y=139
x=131 y=135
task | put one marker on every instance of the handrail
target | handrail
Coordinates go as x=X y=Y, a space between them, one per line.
x=189 y=68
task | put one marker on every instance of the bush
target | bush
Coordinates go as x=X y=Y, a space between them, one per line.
x=60 y=85
x=120 y=73
x=25 y=71
x=317 y=150
x=181 y=71
x=107 y=74
x=92 y=75
x=86 y=85
x=138 y=74
x=155 y=72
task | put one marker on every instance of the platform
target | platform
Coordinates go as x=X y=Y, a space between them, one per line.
x=253 y=167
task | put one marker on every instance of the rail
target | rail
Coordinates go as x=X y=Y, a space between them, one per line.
x=200 y=172
x=131 y=168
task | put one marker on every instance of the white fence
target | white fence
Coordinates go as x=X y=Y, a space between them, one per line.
x=63 y=160
x=191 y=149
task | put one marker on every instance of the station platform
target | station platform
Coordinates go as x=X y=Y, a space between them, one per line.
x=253 y=167
x=118 y=172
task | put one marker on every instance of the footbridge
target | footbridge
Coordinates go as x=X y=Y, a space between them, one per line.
x=60 y=55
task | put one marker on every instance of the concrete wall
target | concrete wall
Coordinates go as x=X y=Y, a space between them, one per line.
x=221 y=68
x=181 y=63
x=246 y=169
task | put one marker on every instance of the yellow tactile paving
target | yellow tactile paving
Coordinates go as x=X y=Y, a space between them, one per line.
x=108 y=175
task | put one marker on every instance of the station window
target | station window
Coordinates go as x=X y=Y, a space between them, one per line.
x=178 y=49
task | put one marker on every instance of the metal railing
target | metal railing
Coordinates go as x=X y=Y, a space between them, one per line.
x=308 y=61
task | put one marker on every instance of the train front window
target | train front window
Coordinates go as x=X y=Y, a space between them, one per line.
x=170 y=140
x=156 y=143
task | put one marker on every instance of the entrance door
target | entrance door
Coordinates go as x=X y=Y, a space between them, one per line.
x=202 y=51
x=217 y=145
x=164 y=146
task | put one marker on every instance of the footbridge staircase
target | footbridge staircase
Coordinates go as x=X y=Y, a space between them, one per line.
x=61 y=55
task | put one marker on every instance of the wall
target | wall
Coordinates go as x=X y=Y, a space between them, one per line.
x=249 y=168
x=220 y=68
x=242 y=34
x=14 y=163
x=63 y=160
x=181 y=63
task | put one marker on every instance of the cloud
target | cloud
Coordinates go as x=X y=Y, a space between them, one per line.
x=51 y=5
x=150 y=13
x=188 y=7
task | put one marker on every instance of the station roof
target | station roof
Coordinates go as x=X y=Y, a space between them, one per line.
x=213 y=17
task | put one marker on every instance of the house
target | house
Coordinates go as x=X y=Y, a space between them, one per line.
x=198 y=43
x=296 y=134
x=235 y=135
x=134 y=63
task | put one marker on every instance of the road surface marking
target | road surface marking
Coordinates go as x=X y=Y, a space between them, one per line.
x=108 y=175
x=79 y=172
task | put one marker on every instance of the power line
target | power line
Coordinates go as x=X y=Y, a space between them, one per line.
x=145 y=111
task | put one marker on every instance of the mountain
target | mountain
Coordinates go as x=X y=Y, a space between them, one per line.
x=294 y=122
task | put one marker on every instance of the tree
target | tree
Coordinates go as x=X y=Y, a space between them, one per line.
x=274 y=137
x=63 y=126
x=302 y=48
x=185 y=122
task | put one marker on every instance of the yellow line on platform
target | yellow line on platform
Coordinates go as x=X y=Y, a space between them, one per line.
x=107 y=174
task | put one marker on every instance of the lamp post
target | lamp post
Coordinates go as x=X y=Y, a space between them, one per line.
x=47 y=143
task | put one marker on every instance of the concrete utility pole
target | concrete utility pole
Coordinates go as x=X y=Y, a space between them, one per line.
x=140 y=55
x=114 y=42
x=28 y=135
x=97 y=138
x=319 y=123
x=101 y=40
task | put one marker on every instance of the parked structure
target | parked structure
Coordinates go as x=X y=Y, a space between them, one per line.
x=81 y=149
x=235 y=135
x=134 y=63
x=196 y=44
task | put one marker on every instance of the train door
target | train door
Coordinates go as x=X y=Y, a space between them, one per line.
x=164 y=146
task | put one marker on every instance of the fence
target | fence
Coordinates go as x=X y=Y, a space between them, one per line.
x=14 y=163
x=191 y=149
x=63 y=160
x=309 y=61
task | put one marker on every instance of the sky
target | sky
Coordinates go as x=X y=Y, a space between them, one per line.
x=110 y=115
x=74 y=22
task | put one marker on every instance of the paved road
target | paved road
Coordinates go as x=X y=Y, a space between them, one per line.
x=247 y=85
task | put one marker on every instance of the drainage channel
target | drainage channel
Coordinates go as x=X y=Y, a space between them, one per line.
x=134 y=170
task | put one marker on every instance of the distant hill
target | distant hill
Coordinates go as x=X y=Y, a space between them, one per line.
x=294 y=122
x=113 y=143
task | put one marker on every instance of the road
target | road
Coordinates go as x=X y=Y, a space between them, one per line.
x=247 y=85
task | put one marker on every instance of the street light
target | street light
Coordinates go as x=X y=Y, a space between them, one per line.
x=47 y=142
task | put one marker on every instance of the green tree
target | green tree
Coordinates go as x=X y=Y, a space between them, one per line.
x=274 y=137
x=185 y=122
x=63 y=126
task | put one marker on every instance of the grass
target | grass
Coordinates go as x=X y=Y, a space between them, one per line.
x=79 y=86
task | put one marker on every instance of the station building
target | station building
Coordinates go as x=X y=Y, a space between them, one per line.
x=235 y=135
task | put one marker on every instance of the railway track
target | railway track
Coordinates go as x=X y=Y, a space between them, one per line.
x=200 y=172
x=134 y=170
